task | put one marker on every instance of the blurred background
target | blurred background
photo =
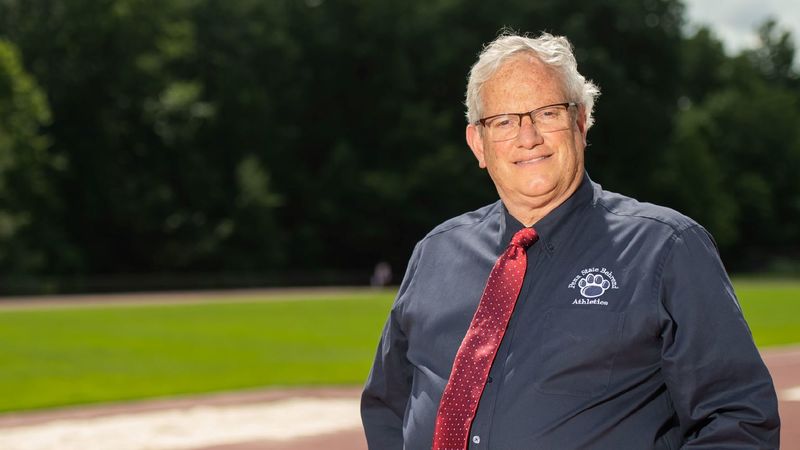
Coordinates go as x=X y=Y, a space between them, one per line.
x=199 y=146
x=177 y=144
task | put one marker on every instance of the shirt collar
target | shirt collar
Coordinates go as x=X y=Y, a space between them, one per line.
x=554 y=227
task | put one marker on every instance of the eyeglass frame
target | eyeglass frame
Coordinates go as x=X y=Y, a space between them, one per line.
x=530 y=114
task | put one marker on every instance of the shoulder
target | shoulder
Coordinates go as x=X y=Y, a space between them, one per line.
x=449 y=241
x=491 y=212
x=641 y=214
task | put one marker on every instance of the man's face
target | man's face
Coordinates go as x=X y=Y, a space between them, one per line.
x=534 y=171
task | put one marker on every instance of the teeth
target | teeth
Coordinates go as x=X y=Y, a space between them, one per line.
x=532 y=160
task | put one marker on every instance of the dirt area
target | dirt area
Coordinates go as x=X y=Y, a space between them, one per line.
x=331 y=429
x=274 y=419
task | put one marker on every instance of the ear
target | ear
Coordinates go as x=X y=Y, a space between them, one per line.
x=580 y=122
x=475 y=142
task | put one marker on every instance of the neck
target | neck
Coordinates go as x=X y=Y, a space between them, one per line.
x=526 y=215
x=529 y=211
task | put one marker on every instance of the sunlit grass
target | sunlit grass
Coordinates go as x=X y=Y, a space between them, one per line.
x=61 y=356
x=772 y=309
x=79 y=355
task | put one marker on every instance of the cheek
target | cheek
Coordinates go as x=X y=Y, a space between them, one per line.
x=570 y=153
x=492 y=156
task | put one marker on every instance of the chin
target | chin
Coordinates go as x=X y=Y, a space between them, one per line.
x=537 y=189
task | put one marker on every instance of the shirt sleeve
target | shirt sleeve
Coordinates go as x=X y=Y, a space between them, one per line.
x=719 y=385
x=386 y=393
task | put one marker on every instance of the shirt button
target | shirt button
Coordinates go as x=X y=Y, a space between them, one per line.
x=476 y=439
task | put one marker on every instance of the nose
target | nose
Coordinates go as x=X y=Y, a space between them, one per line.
x=529 y=135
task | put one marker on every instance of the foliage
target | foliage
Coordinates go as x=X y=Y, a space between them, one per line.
x=204 y=136
x=735 y=149
x=26 y=165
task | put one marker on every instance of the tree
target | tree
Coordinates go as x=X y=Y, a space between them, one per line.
x=205 y=136
x=131 y=114
x=774 y=56
x=736 y=147
x=27 y=199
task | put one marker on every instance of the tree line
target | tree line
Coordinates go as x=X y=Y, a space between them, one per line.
x=198 y=136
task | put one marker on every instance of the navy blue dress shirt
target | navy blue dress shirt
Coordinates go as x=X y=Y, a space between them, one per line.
x=626 y=335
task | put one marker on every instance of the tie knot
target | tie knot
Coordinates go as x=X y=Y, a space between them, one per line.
x=525 y=238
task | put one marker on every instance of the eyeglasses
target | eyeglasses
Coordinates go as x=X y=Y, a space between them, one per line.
x=547 y=119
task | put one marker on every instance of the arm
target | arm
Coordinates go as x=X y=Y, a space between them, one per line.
x=385 y=395
x=720 y=387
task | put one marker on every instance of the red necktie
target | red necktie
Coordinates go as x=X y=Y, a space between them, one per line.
x=479 y=347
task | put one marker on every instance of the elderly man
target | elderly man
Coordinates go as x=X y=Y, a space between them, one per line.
x=562 y=316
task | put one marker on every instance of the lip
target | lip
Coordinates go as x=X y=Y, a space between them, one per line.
x=534 y=160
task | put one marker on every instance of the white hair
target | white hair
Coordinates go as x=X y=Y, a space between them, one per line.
x=553 y=51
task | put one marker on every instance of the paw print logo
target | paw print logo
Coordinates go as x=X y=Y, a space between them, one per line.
x=593 y=285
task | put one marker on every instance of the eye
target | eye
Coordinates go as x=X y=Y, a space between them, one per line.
x=503 y=122
x=549 y=114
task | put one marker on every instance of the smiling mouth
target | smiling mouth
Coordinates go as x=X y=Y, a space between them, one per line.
x=532 y=160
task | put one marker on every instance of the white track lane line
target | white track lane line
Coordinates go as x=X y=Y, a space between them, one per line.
x=791 y=394
x=177 y=429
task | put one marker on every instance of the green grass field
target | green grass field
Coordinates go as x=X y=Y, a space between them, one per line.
x=94 y=354
x=772 y=309
x=63 y=356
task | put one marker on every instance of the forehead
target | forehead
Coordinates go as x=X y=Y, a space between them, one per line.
x=522 y=83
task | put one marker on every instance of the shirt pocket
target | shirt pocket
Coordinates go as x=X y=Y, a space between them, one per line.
x=577 y=351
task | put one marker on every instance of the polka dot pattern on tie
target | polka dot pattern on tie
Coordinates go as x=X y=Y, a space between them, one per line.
x=477 y=351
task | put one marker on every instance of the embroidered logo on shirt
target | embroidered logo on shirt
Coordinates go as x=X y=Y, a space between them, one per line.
x=592 y=283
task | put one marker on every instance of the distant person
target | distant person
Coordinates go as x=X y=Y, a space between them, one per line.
x=382 y=275
x=562 y=316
